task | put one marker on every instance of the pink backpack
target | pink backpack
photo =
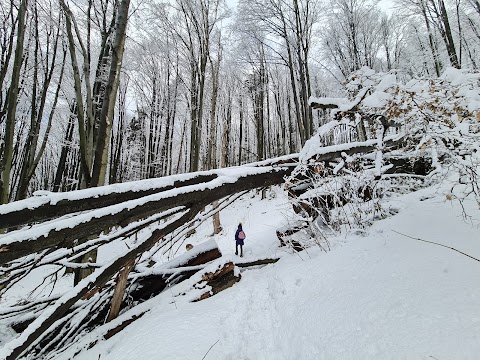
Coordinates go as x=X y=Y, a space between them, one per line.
x=241 y=235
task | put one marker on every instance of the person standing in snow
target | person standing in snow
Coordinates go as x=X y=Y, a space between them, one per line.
x=239 y=237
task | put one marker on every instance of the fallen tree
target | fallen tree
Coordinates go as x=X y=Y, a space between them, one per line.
x=46 y=205
x=437 y=121
x=64 y=232
x=364 y=171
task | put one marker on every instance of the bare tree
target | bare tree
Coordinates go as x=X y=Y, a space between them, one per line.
x=353 y=35
x=45 y=62
x=292 y=26
x=11 y=104
x=95 y=118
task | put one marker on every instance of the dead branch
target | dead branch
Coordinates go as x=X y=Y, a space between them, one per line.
x=438 y=244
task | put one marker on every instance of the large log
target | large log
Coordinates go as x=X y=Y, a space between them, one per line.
x=174 y=271
x=19 y=244
x=53 y=205
x=218 y=280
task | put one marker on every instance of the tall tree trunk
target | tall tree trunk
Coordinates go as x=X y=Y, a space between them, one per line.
x=240 y=135
x=108 y=106
x=431 y=40
x=65 y=149
x=6 y=164
x=448 y=38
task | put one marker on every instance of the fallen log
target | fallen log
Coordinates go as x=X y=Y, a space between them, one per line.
x=257 y=262
x=64 y=233
x=218 y=280
x=47 y=205
x=181 y=268
x=53 y=205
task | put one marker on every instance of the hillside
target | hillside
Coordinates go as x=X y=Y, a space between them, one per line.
x=377 y=295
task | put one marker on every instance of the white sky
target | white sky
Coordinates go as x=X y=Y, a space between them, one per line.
x=386 y=5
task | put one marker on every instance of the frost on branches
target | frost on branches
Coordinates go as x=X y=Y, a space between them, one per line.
x=389 y=137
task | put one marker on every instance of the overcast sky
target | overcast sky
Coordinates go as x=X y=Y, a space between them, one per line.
x=386 y=5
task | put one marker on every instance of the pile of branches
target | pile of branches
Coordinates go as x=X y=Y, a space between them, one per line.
x=409 y=135
x=50 y=232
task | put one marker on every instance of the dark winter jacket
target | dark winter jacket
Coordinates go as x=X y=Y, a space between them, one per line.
x=237 y=232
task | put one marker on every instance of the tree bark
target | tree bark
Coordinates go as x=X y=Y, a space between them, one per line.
x=196 y=195
x=28 y=214
x=108 y=105
x=119 y=291
x=6 y=163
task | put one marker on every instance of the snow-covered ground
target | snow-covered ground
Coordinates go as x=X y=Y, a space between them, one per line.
x=381 y=295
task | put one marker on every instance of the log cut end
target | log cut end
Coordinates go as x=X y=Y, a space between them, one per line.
x=219 y=280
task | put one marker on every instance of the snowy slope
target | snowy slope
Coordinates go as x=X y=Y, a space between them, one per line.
x=377 y=296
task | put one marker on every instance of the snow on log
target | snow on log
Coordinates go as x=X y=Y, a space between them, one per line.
x=314 y=149
x=214 y=282
x=46 y=205
x=155 y=280
x=65 y=232
x=342 y=104
x=49 y=317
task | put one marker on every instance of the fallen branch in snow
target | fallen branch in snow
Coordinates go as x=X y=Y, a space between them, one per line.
x=257 y=262
x=122 y=326
x=204 y=356
x=435 y=243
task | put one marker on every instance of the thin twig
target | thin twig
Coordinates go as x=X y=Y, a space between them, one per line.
x=204 y=356
x=432 y=242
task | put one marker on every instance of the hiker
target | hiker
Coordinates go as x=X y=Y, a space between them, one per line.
x=239 y=237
